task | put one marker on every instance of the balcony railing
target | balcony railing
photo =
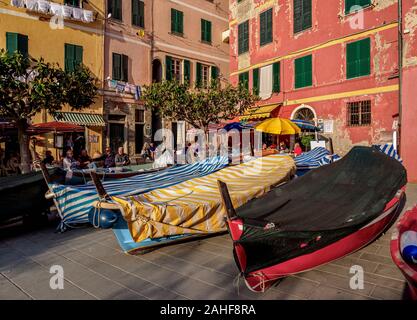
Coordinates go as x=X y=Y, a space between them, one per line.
x=55 y=9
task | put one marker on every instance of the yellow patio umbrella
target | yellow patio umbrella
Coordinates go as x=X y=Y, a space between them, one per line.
x=278 y=126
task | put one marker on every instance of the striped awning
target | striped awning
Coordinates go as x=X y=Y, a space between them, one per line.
x=82 y=119
x=258 y=113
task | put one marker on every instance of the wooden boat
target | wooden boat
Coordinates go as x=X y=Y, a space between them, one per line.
x=187 y=210
x=322 y=216
x=23 y=195
x=76 y=177
x=407 y=222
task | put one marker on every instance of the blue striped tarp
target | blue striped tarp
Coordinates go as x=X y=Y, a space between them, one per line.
x=74 y=202
x=315 y=158
x=389 y=150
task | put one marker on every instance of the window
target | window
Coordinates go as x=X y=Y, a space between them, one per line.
x=120 y=67
x=276 y=77
x=214 y=73
x=205 y=31
x=73 y=56
x=203 y=75
x=173 y=68
x=187 y=71
x=138 y=13
x=243 y=37
x=255 y=81
x=177 y=22
x=139 y=115
x=244 y=79
x=351 y=4
x=358 y=58
x=115 y=9
x=359 y=113
x=74 y=3
x=303 y=72
x=17 y=42
x=302 y=15
x=266 y=27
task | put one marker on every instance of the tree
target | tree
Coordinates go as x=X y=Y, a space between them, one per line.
x=28 y=86
x=200 y=106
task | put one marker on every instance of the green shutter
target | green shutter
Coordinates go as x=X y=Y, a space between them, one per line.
x=78 y=60
x=214 y=73
x=141 y=14
x=303 y=72
x=205 y=30
x=198 y=74
x=265 y=27
x=117 y=63
x=135 y=12
x=118 y=9
x=255 y=81
x=11 y=42
x=276 y=77
x=125 y=68
x=302 y=15
x=180 y=22
x=69 y=57
x=244 y=79
x=350 y=3
x=358 y=60
x=187 y=71
x=168 y=68
x=243 y=37
x=177 y=23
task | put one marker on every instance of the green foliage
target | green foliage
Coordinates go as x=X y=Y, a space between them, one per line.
x=27 y=86
x=199 y=106
x=305 y=141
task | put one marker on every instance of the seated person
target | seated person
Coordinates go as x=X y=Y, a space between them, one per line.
x=49 y=159
x=283 y=147
x=98 y=160
x=146 y=151
x=69 y=163
x=109 y=159
x=84 y=159
x=121 y=159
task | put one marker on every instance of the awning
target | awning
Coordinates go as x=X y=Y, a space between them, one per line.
x=82 y=119
x=55 y=126
x=258 y=113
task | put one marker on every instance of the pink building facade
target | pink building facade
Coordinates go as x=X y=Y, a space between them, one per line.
x=337 y=68
x=149 y=41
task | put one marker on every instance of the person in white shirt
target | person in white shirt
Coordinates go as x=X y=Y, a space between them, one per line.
x=69 y=162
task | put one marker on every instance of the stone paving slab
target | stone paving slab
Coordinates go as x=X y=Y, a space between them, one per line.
x=96 y=268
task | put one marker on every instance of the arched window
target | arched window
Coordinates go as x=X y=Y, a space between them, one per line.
x=304 y=114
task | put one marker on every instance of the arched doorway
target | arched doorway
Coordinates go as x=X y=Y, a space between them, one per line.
x=304 y=112
x=156 y=70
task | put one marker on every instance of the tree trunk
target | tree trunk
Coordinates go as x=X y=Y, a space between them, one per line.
x=24 y=146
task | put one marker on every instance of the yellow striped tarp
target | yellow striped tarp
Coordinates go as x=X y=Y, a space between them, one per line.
x=195 y=206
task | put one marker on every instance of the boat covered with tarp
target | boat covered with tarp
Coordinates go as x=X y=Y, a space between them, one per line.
x=193 y=208
x=74 y=202
x=324 y=215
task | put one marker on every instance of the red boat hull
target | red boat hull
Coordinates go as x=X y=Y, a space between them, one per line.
x=262 y=279
x=407 y=222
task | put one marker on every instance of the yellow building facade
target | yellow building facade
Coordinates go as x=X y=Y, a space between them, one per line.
x=61 y=32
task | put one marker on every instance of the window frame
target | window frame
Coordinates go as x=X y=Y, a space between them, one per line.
x=176 y=28
x=243 y=29
x=206 y=37
x=263 y=37
x=360 y=113
x=368 y=5
x=123 y=67
x=302 y=15
x=359 y=73
x=139 y=15
x=74 y=60
x=303 y=60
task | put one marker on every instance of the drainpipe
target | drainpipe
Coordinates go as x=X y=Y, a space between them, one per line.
x=400 y=72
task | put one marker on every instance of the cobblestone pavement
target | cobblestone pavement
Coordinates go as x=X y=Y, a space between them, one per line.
x=95 y=268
